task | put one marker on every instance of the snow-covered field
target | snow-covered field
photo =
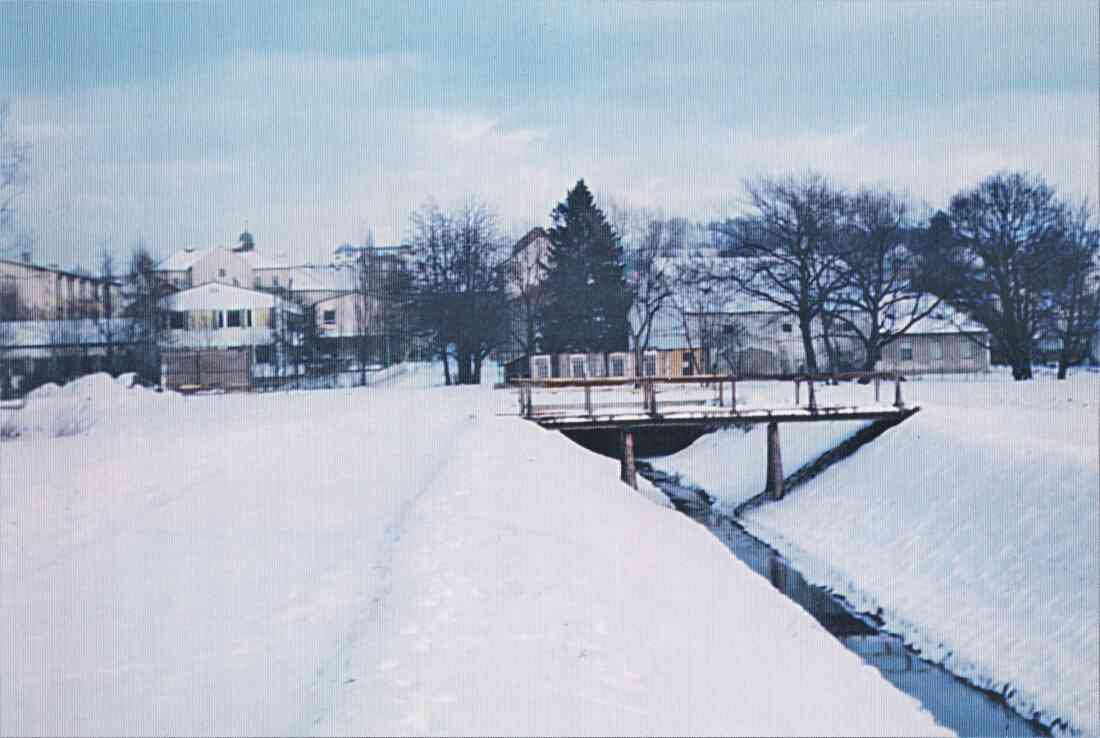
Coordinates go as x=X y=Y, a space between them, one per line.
x=396 y=559
x=973 y=526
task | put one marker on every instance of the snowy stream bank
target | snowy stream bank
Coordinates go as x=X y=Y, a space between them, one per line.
x=971 y=529
x=956 y=703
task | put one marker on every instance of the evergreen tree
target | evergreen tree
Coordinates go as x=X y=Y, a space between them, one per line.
x=587 y=297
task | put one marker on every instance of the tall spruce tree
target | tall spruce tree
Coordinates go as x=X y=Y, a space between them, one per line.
x=587 y=299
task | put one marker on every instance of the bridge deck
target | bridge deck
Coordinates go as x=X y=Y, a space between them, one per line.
x=719 y=416
x=600 y=403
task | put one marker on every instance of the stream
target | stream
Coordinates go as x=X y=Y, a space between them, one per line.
x=956 y=704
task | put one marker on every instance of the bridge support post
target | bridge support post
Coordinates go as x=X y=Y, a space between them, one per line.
x=774 y=487
x=628 y=471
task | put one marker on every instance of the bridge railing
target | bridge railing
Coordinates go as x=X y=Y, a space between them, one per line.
x=587 y=396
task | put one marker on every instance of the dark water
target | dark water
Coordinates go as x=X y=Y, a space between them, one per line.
x=962 y=707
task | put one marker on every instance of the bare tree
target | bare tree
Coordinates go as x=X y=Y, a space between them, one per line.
x=366 y=313
x=460 y=284
x=996 y=259
x=787 y=248
x=1075 y=301
x=876 y=300
x=107 y=326
x=700 y=300
x=14 y=160
x=648 y=275
x=143 y=292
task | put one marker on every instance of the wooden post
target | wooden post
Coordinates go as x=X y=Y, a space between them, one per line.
x=876 y=388
x=721 y=399
x=813 y=399
x=527 y=396
x=897 y=391
x=628 y=470
x=797 y=392
x=774 y=487
x=733 y=395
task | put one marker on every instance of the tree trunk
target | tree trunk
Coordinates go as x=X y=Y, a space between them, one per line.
x=446 y=369
x=805 y=326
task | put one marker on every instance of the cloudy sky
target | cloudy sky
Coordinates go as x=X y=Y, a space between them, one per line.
x=311 y=122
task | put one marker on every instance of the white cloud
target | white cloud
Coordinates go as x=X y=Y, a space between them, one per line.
x=309 y=149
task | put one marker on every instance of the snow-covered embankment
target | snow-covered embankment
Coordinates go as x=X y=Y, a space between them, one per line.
x=396 y=560
x=971 y=527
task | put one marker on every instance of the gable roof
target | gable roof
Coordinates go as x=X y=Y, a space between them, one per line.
x=183 y=260
x=532 y=235
x=216 y=296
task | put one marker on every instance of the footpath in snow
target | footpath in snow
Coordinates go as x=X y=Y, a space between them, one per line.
x=392 y=560
x=971 y=528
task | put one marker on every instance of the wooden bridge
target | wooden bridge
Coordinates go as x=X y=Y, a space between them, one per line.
x=629 y=404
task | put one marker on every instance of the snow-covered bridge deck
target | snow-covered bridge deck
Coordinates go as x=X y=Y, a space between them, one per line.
x=617 y=403
x=626 y=405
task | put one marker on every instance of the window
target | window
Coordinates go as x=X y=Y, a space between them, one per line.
x=577 y=365
x=219 y=319
x=263 y=354
x=234 y=318
x=274 y=281
x=177 y=320
x=935 y=349
x=617 y=365
x=969 y=348
x=649 y=364
x=688 y=366
x=540 y=367
x=905 y=351
x=787 y=327
x=329 y=317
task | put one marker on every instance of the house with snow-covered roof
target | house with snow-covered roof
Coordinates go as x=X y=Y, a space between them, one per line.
x=220 y=335
x=945 y=341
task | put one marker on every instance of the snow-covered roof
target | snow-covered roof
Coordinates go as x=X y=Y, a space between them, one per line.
x=332 y=278
x=259 y=260
x=86 y=331
x=183 y=260
x=215 y=296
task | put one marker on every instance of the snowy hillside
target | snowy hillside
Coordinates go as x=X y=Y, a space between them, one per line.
x=384 y=560
x=972 y=526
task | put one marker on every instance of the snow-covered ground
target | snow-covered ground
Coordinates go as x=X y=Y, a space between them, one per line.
x=383 y=560
x=973 y=527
